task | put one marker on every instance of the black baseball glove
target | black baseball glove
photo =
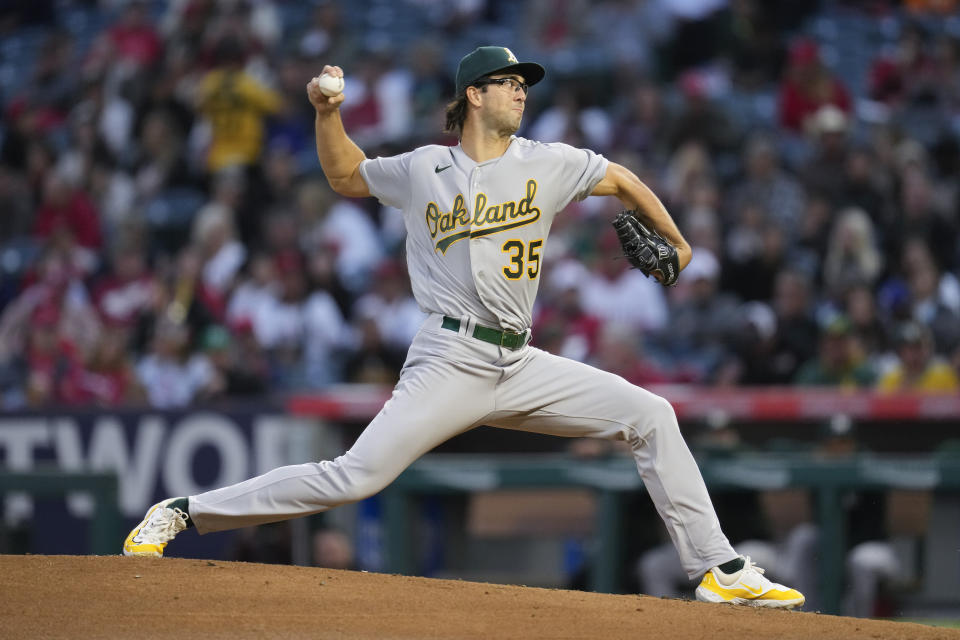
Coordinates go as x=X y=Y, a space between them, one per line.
x=646 y=249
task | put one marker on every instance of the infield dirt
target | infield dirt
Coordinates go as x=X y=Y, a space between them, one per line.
x=114 y=597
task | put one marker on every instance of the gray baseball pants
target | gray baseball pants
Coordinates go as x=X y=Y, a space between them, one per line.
x=451 y=383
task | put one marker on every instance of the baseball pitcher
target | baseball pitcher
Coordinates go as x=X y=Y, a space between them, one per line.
x=478 y=217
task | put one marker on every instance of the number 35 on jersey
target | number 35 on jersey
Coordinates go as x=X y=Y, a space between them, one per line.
x=524 y=258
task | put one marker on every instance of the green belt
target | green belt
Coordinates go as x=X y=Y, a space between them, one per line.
x=507 y=339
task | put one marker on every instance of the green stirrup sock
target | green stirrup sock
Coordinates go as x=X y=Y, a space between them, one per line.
x=731 y=567
x=184 y=505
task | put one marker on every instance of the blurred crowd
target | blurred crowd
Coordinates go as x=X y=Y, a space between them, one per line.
x=167 y=237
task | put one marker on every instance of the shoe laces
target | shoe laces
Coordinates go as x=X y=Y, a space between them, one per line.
x=748 y=565
x=163 y=526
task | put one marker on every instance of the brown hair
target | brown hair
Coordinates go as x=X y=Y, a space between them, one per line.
x=457 y=111
x=456 y=114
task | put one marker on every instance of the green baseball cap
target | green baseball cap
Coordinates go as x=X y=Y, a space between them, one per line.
x=484 y=61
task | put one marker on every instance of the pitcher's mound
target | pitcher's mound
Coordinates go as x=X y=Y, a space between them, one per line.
x=116 y=597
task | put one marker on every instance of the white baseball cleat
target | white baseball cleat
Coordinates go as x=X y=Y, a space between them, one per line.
x=747 y=586
x=158 y=527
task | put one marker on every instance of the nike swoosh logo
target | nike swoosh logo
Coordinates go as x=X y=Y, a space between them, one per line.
x=438 y=168
x=755 y=592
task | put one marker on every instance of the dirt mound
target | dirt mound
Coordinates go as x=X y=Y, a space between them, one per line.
x=112 y=597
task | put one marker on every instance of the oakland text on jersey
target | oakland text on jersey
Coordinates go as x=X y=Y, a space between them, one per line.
x=485 y=220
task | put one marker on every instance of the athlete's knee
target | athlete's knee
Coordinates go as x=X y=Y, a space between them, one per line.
x=366 y=484
x=658 y=417
x=663 y=410
x=650 y=418
x=366 y=491
x=347 y=479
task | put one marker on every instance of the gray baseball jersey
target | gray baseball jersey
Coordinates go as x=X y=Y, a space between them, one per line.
x=475 y=239
x=476 y=232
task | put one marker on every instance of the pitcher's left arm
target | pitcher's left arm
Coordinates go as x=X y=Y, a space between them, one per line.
x=623 y=184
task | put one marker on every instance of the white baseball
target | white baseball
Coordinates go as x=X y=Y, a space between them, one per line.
x=329 y=85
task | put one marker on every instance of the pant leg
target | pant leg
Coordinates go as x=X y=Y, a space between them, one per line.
x=548 y=394
x=444 y=389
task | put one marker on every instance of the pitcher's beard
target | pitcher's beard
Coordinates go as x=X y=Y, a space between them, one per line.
x=507 y=125
x=508 y=131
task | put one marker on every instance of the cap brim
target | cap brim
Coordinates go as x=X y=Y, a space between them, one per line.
x=531 y=71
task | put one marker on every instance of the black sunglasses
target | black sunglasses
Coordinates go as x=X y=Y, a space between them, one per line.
x=516 y=85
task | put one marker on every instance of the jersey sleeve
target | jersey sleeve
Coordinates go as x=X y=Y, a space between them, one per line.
x=388 y=179
x=581 y=171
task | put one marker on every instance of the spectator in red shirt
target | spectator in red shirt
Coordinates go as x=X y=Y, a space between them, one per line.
x=907 y=73
x=67 y=209
x=55 y=286
x=109 y=378
x=133 y=38
x=807 y=86
x=128 y=290
x=53 y=362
